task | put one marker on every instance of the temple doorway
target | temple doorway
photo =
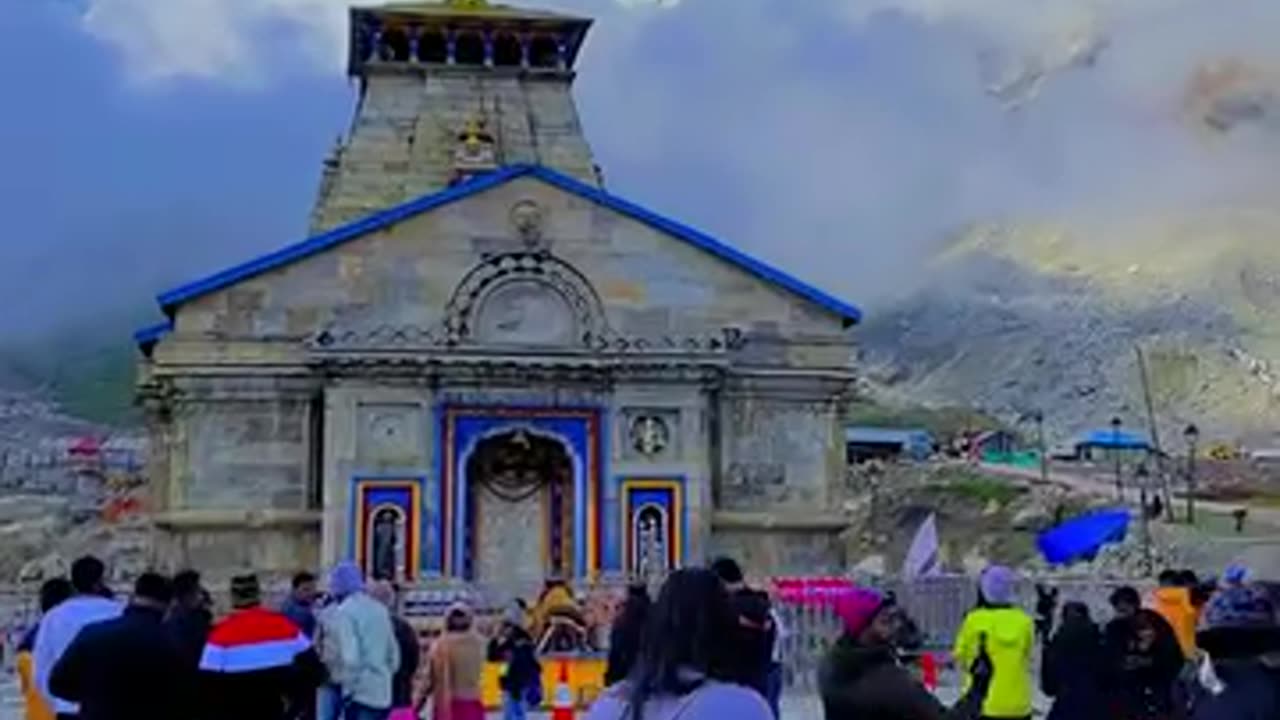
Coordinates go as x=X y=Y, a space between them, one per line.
x=521 y=503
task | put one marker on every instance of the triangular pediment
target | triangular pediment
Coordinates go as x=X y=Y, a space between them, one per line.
x=820 y=301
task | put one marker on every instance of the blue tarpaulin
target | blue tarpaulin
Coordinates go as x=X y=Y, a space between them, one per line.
x=1081 y=538
x=1114 y=440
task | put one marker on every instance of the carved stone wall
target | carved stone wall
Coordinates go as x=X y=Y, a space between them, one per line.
x=782 y=552
x=403 y=135
x=242 y=454
x=781 y=453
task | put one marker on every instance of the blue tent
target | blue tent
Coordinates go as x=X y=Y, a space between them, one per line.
x=1114 y=440
x=1080 y=538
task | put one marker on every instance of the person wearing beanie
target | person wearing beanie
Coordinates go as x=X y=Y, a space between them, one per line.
x=1239 y=675
x=256 y=664
x=366 y=652
x=861 y=677
x=127 y=668
x=521 y=683
x=1008 y=634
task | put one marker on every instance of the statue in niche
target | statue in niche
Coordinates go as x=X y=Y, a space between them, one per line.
x=476 y=151
x=385 y=550
x=651 y=546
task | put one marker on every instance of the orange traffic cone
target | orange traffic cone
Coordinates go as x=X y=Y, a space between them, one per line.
x=562 y=705
x=929 y=671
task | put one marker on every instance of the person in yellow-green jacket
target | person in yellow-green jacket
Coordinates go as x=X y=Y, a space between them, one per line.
x=1007 y=633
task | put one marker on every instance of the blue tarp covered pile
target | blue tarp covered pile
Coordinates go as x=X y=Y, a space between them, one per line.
x=1081 y=538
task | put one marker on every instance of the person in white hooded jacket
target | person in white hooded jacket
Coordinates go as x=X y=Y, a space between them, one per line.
x=361 y=643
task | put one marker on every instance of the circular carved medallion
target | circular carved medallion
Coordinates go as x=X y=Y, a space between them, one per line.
x=650 y=435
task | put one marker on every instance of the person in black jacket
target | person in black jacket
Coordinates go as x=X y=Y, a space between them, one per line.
x=406 y=638
x=624 y=637
x=521 y=684
x=757 y=631
x=1072 y=668
x=127 y=668
x=189 y=617
x=1143 y=662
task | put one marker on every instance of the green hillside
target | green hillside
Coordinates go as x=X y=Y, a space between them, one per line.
x=87 y=368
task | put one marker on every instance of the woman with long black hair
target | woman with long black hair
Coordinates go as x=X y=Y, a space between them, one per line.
x=684 y=669
x=624 y=637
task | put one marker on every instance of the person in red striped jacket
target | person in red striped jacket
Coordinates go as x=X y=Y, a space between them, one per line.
x=257 y=664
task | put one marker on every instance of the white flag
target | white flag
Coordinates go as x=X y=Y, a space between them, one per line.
x=922 y=558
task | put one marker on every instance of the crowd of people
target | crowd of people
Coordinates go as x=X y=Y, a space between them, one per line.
x=708 y=646
x=1196 y=651
x=162 y=655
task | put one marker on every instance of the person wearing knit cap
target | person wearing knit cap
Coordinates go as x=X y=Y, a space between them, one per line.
x=366 y=653
x=861 y=677
x=256 y=663
x=1008 y=634
x=1239 y=674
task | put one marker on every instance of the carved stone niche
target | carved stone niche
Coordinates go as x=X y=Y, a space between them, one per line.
x=651 y=434
x=525 y=311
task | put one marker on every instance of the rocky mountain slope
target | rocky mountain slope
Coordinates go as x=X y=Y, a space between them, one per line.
x=1019 y=318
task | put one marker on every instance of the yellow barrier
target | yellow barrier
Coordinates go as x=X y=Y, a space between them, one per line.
x=586 y=679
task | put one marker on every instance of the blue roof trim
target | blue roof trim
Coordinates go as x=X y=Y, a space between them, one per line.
x=320 y=243
x=152 y=333
x=377 y=221
x=704 y=241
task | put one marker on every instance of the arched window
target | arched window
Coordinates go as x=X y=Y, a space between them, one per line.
x=395 y=46
x=470 y=49
x=433 y=47
x=507 y=51
x=544 y=52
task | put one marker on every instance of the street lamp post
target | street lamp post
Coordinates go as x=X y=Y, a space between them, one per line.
x=1044 y=455
x=1142 y=476
x=1115 y=451
x=1192 y=435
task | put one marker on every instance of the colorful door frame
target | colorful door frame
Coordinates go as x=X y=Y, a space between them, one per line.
x=665 y=496
x=404 y=495
x=578 y=429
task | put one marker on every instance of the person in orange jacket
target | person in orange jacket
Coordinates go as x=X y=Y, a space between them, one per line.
x=52 y=594
x=1172 y=601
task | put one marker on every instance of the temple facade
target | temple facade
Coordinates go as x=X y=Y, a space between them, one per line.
x=483 y=367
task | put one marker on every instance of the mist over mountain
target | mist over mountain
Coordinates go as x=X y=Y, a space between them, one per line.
x=913 y=156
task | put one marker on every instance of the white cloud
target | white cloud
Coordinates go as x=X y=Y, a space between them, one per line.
x=806 y=132
x=230 y=40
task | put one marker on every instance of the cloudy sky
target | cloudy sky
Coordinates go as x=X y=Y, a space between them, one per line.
x=147 y=141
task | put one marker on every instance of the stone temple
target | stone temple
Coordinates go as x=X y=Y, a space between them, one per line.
x=483 y=366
